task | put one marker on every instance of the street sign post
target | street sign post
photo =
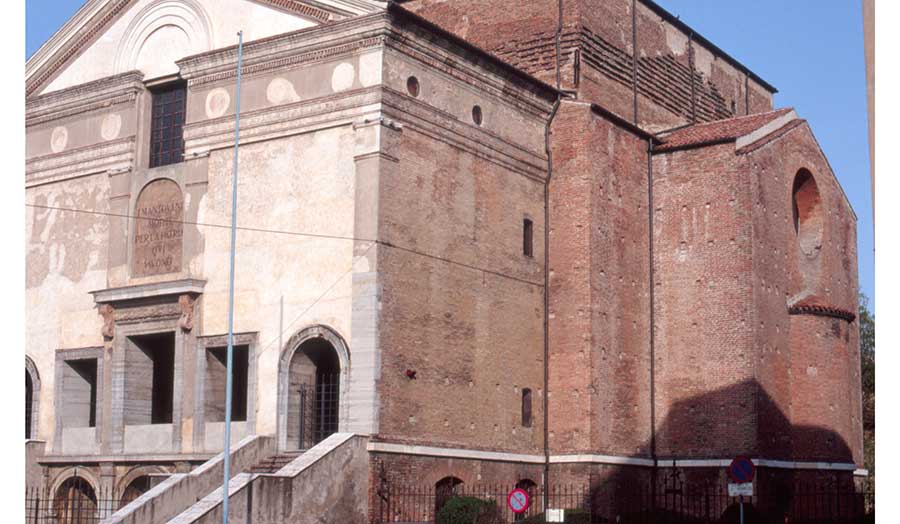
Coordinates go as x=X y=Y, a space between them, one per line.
x=741 y=472
x=518 y=501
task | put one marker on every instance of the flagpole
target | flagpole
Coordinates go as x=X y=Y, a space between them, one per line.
x=228 y=372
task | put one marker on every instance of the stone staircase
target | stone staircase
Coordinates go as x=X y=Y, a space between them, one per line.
x=273 y=463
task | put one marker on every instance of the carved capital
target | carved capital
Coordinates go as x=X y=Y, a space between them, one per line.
x=109 y=321
x=186 y=303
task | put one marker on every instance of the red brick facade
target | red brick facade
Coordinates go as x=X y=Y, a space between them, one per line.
x=690 y=320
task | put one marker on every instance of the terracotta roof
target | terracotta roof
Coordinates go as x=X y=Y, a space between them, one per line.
x=716 y=132
x=816 y=306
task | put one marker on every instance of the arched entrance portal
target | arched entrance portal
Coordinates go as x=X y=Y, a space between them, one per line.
x=310 y=383
x=75 y=502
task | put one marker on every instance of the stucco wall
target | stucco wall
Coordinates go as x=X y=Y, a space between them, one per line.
x=66 y=259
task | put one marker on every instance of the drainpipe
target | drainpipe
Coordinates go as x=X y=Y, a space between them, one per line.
x=634 y=58
x=546 y=399
x=653 y=471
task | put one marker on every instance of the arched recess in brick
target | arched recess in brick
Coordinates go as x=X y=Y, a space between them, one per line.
x=444 y=490
x=809 y=225
x=313 y=377
x=32 y=398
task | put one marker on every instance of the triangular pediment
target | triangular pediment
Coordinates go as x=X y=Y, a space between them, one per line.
x=109 y=37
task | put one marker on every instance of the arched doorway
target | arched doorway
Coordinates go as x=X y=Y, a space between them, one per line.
x=310 y=388
x=75 y=502
x=135 y=489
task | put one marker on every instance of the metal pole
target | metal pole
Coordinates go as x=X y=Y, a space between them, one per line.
x=742 y=509
x=228 y=372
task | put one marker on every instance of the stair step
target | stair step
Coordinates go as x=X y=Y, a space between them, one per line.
x=273 y=463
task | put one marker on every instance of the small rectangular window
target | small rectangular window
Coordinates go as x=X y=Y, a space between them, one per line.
x=216 y=366
x=79 y=393
x=526 y=408
x=150 y=379
x=528 y=238
x=167 y=125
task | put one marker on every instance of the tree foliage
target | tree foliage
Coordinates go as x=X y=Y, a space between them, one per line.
x=867 y=376
x=867 y=360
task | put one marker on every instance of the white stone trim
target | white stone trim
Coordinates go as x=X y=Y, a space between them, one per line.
x=765 y=130
x=473 y=454
x=861 y=472
x=460 y=453
x=600 y=459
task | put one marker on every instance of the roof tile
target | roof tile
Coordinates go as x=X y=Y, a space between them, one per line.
x=716 y=132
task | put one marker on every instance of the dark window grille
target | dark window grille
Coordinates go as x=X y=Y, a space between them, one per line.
x=319 y=404
x=167 y=127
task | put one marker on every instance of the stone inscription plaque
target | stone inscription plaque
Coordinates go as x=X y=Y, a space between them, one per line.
x=158 y=231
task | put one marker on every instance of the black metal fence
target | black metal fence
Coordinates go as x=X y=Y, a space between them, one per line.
x=75 y=502
x=671 y=500
x=319 y=409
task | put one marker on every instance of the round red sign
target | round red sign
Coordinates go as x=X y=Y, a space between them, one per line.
x=741 y=470
x=518 y=500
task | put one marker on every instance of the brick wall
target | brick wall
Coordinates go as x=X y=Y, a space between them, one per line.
x=736 y=372
x=473 y=337
x=678 y=76
x=818 y=357
x=599 y=287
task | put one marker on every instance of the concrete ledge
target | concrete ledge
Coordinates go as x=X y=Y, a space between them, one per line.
x=765 y=130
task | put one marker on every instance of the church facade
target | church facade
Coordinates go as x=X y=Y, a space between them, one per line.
x=551 y=242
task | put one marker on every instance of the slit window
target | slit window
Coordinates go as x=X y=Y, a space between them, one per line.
x=150 y=379
x=528 y=237
x=79 y=393
x=526 y=408
x=167 y=125
x=216 y=372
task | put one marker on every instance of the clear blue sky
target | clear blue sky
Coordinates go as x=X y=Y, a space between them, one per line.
x=811 y=50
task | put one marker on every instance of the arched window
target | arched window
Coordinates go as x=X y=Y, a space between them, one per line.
x=75 y=502
x=808 y=214
x=28 y=398
x=32 y=398
x=444 y=490
x=135 y=489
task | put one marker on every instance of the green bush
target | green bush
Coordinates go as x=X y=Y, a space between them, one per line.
x=468 y=510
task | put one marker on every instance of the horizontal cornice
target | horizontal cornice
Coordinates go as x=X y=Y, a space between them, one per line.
x=92 y=96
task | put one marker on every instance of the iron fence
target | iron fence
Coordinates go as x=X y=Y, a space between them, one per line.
x=671 y=500
x=318 y=409
x=75 y=502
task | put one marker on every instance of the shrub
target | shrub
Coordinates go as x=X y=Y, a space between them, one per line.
x=468 y=510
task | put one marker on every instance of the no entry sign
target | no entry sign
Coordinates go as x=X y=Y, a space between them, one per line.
x=518 y=500
x=741 y=470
